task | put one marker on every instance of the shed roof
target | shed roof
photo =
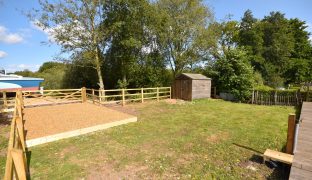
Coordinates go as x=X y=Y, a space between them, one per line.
x=192 y=76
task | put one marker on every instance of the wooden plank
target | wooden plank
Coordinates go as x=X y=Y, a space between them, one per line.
x=299 y=174
x=278 y=156
x=302 y=165
x=9 y=162
x=83 y=94
x=123 y=97
x=291 y=133
x=142 y=95
x=20 y=130
x=19 y=163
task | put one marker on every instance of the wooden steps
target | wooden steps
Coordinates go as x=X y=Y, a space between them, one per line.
x=278 y=156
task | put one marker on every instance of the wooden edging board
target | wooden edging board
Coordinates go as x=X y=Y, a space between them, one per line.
x=68 y=134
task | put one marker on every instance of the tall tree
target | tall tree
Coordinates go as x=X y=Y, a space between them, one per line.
x=129 y=23
x=75 y=26
x=183 y=21
x=301 y=62
x=250 y=36
x=231 y=70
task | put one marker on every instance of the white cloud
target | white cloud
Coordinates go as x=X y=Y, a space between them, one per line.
x=47 y=31
x=19 y=67
x=8 y=37
x=3 y=54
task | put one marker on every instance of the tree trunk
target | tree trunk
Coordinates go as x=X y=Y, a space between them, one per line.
x=99 y=73
x=98 y=69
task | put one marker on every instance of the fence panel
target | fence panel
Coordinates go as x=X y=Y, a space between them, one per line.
x=278 y=98
x=124 y=96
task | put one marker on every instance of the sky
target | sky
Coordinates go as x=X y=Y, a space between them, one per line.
x=21 y=44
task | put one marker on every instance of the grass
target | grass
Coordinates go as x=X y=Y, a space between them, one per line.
x=205 y=139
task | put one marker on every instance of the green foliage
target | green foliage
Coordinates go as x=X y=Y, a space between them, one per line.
x=49 y=65
x=277 y=47
x=183 y=23
x=235 y=75
x=258 y=79
x=26 y=73
x=53 y=77
x=263 y=88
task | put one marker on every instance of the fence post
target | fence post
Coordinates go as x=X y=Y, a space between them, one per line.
x=157 y=90
x=142 y=95
x=290 y=133
x=5 y=101
x=252 y=96
x=123 y=97
x=19 y=163
x=308 y=91
x=93 y=96
x=275 y=97
x=100 y=94
x=83 y=94
x=170 y=96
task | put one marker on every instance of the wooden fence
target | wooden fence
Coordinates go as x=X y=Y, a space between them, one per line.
x=54 y=96
x=279 y=98
x=6 y=103
x=16 y=163
x=62 y=96
x=123 y=96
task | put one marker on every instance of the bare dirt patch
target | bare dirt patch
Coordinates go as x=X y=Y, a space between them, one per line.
x=49 y=120
x=174 y=101
x=214 y=138
x=107 y=171
x=69 y=149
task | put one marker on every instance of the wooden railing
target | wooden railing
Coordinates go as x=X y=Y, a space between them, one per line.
x=55 y=96
x=16 y=163
x=123 y=96
x=6 y=103
x=61 y=96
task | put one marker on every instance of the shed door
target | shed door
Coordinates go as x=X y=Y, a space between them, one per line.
x=185 y=90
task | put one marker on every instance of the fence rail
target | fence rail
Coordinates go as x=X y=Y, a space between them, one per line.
x=16 y=163
x=59 y=96
x=127 y=95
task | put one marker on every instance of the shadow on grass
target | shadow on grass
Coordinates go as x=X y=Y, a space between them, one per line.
x=248 y=148
x=280 y=170
x=28 y=154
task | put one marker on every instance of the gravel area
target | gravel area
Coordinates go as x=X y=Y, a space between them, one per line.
x=48 y=120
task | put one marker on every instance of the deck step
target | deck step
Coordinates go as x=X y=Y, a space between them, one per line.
x=278 y=156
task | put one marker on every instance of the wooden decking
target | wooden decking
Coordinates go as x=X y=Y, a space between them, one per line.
x=302 y=164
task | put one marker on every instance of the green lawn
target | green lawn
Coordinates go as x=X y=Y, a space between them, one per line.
x=209 y=139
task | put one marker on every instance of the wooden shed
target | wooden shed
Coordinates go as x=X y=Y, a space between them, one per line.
x=189 y=86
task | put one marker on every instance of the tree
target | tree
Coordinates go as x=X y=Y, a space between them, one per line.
x=49 y=65
x=53 y=76
x=231 y=70
x=235 y=74
x=182 y=23
x=75 y=26
x=250 y=37
x=301 y=62
x=278 y=44
x=129 y=23
x=26 y=73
